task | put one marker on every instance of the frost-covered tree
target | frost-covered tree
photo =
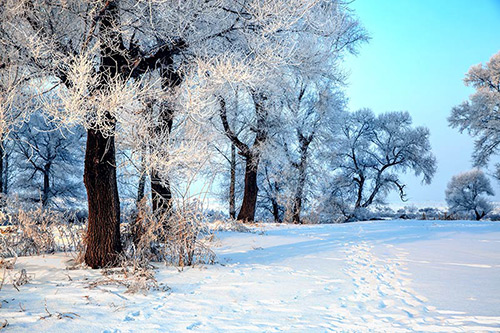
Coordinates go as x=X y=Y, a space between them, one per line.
x=480 y=115
x=108 y=59
x=294 y=168
x=466 y=192
x=12 y=110
x=371 y=151
x=77 y=49
x=47 y=163
x=251 y=152
x=320 y=48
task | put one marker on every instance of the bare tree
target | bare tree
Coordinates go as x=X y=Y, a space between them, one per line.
x=309 y=106
x=465 y=194
x=371 y=151
x=48 y=163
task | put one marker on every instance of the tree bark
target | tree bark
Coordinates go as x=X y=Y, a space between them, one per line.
x=297 y=207
x=232 y=184
x=359 y=196
x=103 y=235
x=479 y=216
x=247 y=211
x=272 y=194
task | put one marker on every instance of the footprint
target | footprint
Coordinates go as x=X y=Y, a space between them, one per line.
x=193 y=325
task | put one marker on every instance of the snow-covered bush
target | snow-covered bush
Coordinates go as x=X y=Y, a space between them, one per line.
x=229 y=225
x=179 y=237
x=465 y=194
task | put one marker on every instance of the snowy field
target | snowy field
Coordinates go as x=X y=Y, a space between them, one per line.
x=431 y=276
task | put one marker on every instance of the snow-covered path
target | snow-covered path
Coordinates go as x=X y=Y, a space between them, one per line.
x=371 y=276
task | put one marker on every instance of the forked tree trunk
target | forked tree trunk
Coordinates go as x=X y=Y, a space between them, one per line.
x=247 y=211
x=103 y=235
x=478 y=215
x=251 y=155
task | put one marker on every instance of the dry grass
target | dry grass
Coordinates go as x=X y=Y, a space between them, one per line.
x=179 y=238
x=38 y=231
x=34 y=232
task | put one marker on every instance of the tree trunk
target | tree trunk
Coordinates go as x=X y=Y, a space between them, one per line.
x=276 y=211
x=161 y=195
x=297 y=202
x=252 y=155
x=6 y=170
x=46 y=185
x=247 y=211
x=142 y=184
x=103 y=235
x=2 y=152
x=359 y=195
x=170 y=80
x=103 y=232
x=4 y=160
x=297 y=207
x=232 y=184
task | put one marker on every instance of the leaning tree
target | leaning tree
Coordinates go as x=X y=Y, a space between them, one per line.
x=46 y=163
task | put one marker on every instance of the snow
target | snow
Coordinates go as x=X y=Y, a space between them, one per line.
x=429 y=276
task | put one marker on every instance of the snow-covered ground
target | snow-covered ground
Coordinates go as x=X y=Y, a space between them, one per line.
x=380 y=276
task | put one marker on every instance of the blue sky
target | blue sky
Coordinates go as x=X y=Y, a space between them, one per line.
x=416 y=61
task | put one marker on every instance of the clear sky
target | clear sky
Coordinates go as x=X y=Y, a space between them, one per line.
x=416 y=61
